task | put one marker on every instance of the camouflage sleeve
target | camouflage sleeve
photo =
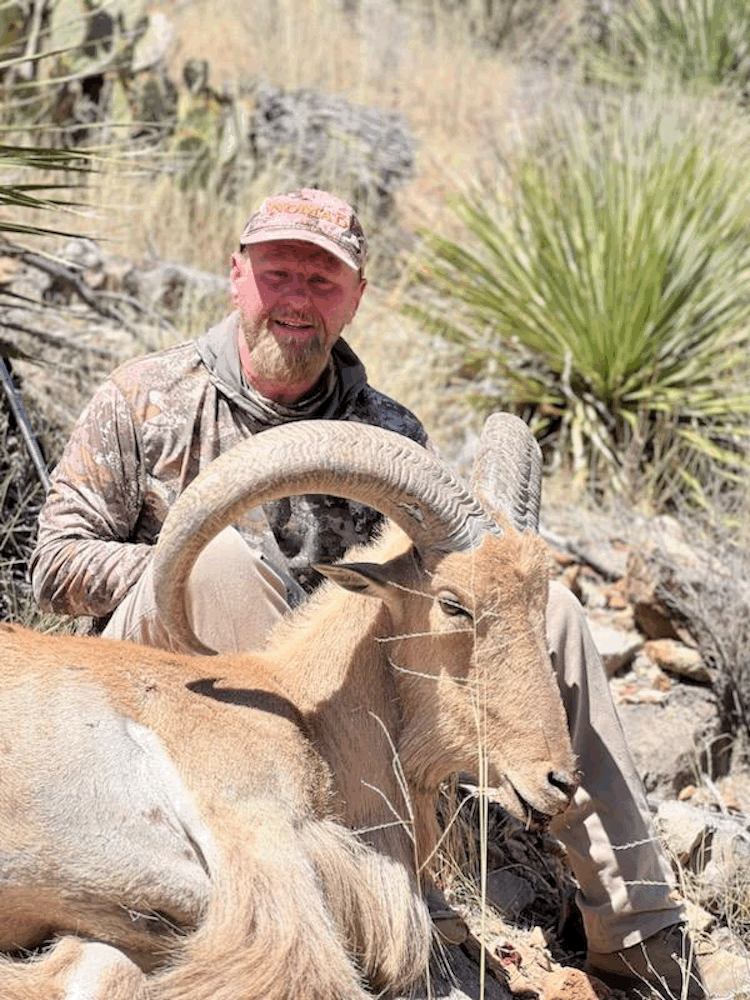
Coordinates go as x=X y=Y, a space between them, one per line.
x=84 y=563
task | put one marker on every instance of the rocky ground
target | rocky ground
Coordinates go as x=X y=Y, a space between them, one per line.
x=669 y=616
x=643 y=585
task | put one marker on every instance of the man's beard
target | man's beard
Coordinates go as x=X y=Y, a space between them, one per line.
x=284 y=359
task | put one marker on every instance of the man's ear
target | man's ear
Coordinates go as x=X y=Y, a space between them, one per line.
x=358 y=298
x=237 y=269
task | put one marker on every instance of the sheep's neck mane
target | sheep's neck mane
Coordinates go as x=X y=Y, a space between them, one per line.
x=350 y=704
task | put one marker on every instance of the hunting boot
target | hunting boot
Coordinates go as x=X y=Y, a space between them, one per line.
x=671 y=966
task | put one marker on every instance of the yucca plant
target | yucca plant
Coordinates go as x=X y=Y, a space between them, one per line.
x=691 y=43
x=29 y=205
x=602 y=289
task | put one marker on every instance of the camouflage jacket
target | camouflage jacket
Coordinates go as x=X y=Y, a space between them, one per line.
x=157 y=422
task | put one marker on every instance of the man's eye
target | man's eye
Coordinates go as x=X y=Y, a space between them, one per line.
x=319 y=281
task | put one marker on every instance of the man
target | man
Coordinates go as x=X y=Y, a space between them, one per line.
x=297 y=281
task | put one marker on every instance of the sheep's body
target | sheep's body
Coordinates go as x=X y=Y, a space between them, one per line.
x=276 y=808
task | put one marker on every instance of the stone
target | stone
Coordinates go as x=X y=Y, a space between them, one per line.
x=726 y=974
x=683 y=828
x=644 y=581
x=573 y=984
x=509 y=893
x=312 y=135
x=167 y=286
x=154 y=44
x=616 y=647
x=667 y=740
x=83 y=253
x=677 y=658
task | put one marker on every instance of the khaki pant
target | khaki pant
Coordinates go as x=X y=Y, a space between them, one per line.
x=626 y=887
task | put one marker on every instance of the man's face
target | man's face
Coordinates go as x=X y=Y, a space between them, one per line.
x=294 y=299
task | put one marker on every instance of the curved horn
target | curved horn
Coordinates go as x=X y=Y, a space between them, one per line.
x=373 y=466
x=507 y=473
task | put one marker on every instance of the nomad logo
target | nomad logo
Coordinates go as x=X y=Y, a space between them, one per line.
x=312 y=211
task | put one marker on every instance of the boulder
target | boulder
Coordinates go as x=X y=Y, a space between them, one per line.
x=315 y=136
x=677 y=658
x=668 y=738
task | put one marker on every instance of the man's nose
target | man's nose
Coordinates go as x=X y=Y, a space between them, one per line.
x=297 y=288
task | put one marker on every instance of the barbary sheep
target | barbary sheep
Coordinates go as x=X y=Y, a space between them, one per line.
x=258 y=825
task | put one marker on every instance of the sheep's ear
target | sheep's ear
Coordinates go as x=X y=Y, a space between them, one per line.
x=359 y=577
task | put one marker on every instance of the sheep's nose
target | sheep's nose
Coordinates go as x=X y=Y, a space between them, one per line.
x=564 y=783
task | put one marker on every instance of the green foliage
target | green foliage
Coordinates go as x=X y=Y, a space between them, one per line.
x=603 y=291
x=30 y=161
x=693 y=43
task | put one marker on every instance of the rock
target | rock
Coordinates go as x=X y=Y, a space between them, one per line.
x=312 y=136
x=726 y=974
x=609 y=558
x=509 y=893
x=647 y=581
x=9 y=270
x=455 y=976
x=573 y=984
x=614 y=597
x=677 y=658
x=154 y=44
x=666 y=579
x=667 y=739
x=683 y=828
x=616 y=647
x=590 y=593
x=627 y=693
x=700 y=921
x=166 y=286
x=724 y=860
x=712 y=846
x=83 y=253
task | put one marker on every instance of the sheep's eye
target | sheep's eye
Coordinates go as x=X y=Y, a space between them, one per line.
x=450 y=605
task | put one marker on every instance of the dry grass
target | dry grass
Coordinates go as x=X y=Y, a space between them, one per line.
x=457 y=100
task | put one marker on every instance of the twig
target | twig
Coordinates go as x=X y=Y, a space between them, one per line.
x=58 y=340
x=76 y=283
x=16 y=408
x=26 y=69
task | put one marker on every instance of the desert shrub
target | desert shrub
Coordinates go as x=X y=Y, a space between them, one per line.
x=523 y=27
x=694 y=44
x=716 y=608
x=600 y=289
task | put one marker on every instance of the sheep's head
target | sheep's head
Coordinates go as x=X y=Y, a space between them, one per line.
x=469 y=654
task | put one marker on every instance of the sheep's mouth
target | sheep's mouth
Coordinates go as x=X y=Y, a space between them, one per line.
x=533 y=819
x=508 y=796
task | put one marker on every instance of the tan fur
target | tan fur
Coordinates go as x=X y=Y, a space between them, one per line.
x=287 y=798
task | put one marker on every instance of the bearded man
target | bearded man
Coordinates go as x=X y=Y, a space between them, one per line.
x=297 y=280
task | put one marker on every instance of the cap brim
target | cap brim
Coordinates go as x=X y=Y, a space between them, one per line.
x=302 y=236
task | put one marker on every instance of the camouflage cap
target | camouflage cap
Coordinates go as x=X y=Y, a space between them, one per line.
x=313 y=216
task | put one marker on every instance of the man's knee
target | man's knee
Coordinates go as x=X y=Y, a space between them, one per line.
x=227 y=561
x=565 y=616
x=234 y=596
